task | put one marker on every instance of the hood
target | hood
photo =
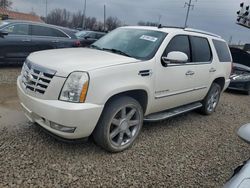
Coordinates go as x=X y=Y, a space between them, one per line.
x=65 y=61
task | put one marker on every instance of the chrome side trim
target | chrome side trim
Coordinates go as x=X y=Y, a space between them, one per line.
x=181 y=92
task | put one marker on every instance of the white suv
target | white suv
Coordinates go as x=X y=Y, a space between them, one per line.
x=131 y=75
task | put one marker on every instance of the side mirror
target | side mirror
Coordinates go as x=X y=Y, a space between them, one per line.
x=244 y=132
x=3 y=33
x=175 y=57
x=87 y=37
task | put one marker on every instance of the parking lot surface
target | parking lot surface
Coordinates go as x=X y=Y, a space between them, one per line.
x=190 y=150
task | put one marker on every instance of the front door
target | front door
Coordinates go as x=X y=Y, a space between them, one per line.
x=180 y=83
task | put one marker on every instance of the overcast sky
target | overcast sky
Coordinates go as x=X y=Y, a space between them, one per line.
x=217 y=16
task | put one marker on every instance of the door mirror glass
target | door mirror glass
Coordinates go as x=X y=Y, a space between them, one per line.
x=244 y=132
x=175 y=57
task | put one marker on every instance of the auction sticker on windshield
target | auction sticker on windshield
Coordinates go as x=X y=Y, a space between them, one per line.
x=149 y=38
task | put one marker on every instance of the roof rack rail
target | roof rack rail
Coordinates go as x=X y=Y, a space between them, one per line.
x=202 y=32
x=163 y=26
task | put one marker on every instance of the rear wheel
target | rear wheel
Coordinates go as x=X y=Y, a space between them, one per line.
x=119 y=124
x=211 y=101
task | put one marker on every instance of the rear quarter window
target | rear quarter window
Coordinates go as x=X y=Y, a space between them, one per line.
x=222 y=51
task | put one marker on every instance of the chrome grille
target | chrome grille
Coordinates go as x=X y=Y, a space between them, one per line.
x=36 y=78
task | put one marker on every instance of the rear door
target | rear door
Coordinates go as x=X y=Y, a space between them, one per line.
x=16 y=46
x=42 y=38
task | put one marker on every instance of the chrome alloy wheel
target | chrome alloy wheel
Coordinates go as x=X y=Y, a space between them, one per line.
x=124 y=126
x=213 y=100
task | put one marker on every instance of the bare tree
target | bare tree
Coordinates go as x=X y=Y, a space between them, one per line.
x=76 y=21
x=5 y=4
x=90 y=22
x=59 y=17
x=112 y=23
x=62 y=17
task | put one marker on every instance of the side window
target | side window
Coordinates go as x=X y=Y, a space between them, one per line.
x=17 y=29
x=179 y=43
x=58 y=33
x=98 y=36
x=201 y=51
x=92 y=35
x=37 y=30
x=222 y=51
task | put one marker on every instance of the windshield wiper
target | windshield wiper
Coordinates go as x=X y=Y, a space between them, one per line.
x=95 y=47
x=116 y=51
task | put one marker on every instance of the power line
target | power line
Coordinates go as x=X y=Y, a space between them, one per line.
x=188 y=5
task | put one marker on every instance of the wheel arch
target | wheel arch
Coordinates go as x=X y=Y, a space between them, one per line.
x=220 y=81
x=138 y=94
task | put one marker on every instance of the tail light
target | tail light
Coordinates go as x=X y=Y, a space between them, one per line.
x=77 y=43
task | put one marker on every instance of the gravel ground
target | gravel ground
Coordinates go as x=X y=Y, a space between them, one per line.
x=190 y=150
x=8 y=75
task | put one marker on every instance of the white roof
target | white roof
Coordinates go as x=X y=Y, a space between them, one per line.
x=173 y=29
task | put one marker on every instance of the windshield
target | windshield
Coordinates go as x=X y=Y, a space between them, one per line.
x=2 y=23
x=136 y=43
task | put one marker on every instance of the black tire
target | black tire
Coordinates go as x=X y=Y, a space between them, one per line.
x=211 y=100
x=113 y=121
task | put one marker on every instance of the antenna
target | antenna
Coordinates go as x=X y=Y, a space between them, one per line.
x=189 y=5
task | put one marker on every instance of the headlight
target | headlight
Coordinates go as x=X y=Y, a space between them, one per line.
x=242 y=77
x=75 y=88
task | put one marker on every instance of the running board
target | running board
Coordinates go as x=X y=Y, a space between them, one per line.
x=172 y=112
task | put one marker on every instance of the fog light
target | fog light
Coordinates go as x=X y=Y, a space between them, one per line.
x=62 y=128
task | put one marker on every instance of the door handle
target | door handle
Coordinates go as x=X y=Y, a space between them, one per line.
x=55 y=41
x=212 y=70
x=190 y=73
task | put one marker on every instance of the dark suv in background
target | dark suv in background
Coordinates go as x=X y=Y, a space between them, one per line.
x=20 y=38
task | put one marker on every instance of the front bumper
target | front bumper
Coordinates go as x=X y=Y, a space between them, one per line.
x=83 y=116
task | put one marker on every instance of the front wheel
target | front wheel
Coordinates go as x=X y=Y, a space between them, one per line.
x=211 y=101
x=119 y=124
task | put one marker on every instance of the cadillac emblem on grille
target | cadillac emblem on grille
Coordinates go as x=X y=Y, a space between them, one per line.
x=36 y=78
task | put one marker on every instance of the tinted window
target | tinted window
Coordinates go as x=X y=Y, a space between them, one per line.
x=17 y=29
x=222 y=51
x=179 y=43
x=46 y=31
x=200 y=49
x=90 y=35
x=98 y=35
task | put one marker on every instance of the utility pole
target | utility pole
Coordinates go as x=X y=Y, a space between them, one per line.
x=104 y=16
x=189 y=5
x=84 y=15
x=46 y=10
